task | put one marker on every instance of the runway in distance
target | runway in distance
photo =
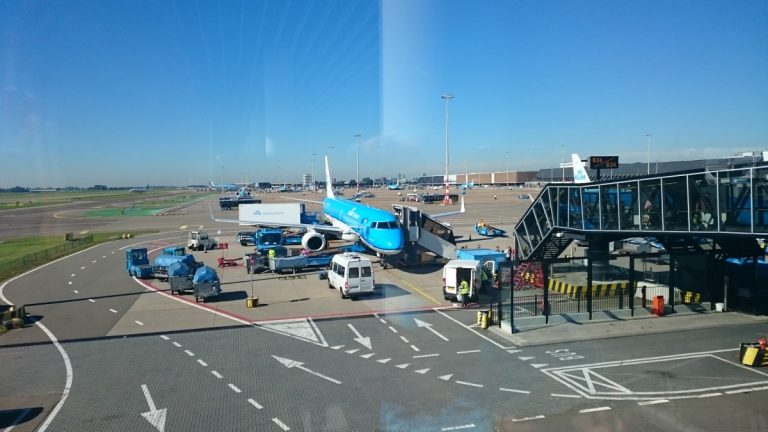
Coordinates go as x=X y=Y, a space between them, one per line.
x=375 y=228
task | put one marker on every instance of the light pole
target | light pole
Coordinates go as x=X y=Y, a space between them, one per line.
x=562 y=161
x=446 y=97
x=330 y=170
x=507 y=153
x=357 y=157
x=313 y=172
x=649 y=153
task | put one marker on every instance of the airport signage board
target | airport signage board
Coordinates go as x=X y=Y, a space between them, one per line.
x=603 y=162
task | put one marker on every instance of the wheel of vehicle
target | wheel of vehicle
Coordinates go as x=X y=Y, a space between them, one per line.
x=197 y=299
x=330 y=286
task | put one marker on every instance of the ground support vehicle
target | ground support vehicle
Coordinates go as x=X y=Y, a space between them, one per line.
x=489 y=231
x=255 y=262
x=228 y=203
x=161 y=263
x=205 y=284
x=351 y=274
x=199 y=240
x=457 y=270
x=489 y=260
x=179 y=277
x=174 y=250
x=268 y=238
x=137 y=263
x=245 y=237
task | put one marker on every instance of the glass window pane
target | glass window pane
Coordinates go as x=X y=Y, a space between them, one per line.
x=702 y=189
x=354 y=273
x=609 y=208
x=675 y=204
x=574 y=208
x=735 y=201
x=650 y=197
x=760 y=199
x=629 y=207
x=591 y=200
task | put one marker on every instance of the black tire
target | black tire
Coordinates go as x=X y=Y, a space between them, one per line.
x=197 y=299
x=329 y=284
x=341 y=293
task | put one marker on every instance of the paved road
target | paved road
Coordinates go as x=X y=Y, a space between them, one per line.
x=128 y=346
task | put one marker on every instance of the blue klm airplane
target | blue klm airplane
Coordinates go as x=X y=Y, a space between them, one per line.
x=376 y=229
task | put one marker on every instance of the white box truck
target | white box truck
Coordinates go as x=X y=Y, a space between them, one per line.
x=457 y=270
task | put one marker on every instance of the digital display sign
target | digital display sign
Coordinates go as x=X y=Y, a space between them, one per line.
x=603 y=162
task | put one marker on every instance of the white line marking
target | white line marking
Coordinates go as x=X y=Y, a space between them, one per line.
x=281 y=424
x=425 y=355
x=467 y=327
x=352 y=351
x=653 y=402
x=93 y=262
x=176 y=344
x=706 y=395
x=403 y=366
x=747 y=390
x=234 y=388
x=113 y=311
x=164 y=337
x=69 y=283
x=514 y=391
x=422 y=371
x=72 y=275
x=566 y=395
x=415 y=348
x=189 y=353
x=513 y=351
x=539 y=365
x=254 y=403
x=103 y=256
x=590 y=410
x=382 y=321
x=82 y=268
x=382 y=361
x=76 y=291
x=367 y=356
x=538 y=417
x=92 y=300
x=202 y=363
x=139 y=323
x=467 y=352
x=469 y=384
x=526 y=358
x=451 y=428
x=217 y=375
x=646 y=359
x=337 y=347
x=404 y=339
x=394 y=330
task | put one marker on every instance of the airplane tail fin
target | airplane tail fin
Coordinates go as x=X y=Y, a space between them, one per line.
x=328 y=182
x=579 y=171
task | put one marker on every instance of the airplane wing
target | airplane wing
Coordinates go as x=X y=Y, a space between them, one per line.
x=461 y=210
x=314 y=227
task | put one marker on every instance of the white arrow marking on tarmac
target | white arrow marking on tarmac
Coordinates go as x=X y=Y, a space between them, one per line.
x=422 y=371
x=420 y=323
x=156 y=417
x=446 y=377
x=299 y=365
x=403 y=366
x=382 y=361
x=367 y=356
x=539 y=365
x=526 y=358
x=513 y=351
x=364 y=341
x=82 y=268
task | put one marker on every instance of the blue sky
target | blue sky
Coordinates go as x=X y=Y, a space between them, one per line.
x=181 y=92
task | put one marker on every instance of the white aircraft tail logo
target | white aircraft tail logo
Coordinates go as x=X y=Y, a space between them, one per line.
x=579 y=171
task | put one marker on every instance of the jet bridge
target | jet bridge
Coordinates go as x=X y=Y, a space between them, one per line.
x=422 y=231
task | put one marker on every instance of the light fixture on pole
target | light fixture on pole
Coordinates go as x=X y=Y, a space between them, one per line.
x=447 y=199
x=649 y=153
x=357 y=157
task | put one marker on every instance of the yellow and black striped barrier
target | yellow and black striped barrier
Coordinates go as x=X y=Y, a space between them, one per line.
x=598 y=290
x=690 y=297
x=753 y=354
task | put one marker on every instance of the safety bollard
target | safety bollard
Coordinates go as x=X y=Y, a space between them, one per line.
x=484 y=321
x=479 y=317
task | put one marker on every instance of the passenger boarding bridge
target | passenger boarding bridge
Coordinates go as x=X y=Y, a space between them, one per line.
x=728 y=207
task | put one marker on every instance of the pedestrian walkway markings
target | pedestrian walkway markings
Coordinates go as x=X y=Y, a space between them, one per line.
x=303 y=329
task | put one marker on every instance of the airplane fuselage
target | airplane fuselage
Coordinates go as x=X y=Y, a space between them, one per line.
x=376 y=228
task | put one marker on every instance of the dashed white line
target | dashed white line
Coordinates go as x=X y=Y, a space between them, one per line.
x=254 y=403
x=76 y=291
x=176 y=344
x=352 y=351
x=706 y=395
x=337 y=347
x=139 y=323
x=514 y=391
x=234 y=388
x=538 y=417
x=82 y=268
x=217 y=375
x=394 y=330
x=281 y=424
x=164 y=337
x=403 y=366
x=425 y=355
x=469 y=384
x=382 y=321
x=404 y=339
x=746 y=390
x=566 y=395
x=422 y=371
x=452 y=428
x=653 y=402
x=70 y=282
x=202 y=363
x=467 y=352
x=367 y=356
x=189 y=353
x=591 y=410
x=103 y=256
x=415 y=348
x=72 y=275
x=113 y=311
x=92 y=300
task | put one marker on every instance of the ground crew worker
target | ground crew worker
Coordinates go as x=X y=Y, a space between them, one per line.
x=483 y=278
x=464 y=291
x=271 y=254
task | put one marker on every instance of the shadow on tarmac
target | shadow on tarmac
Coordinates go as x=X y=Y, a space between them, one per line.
x=15 y=417
x=82 y=299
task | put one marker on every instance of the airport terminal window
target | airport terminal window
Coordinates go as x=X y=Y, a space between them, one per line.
x=735 y=201
x=702 y=192
x=629 y=206
x=675 y=204
x=760 y=199
x=609 y=207
x=650 y=197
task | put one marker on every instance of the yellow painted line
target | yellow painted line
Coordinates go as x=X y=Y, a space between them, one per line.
x=423 y=294
x=183 y=227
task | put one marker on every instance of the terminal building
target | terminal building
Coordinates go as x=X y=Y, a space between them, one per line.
x=498 y=178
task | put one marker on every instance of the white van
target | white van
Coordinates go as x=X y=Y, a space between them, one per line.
x=457 y=270
x=351 y=274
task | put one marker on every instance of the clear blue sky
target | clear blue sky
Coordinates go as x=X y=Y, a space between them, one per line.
x=177 y=92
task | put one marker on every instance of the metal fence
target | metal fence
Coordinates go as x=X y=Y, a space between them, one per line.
x=44 y=255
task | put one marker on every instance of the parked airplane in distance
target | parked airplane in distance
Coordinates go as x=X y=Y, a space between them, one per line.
x=139 y=190
x=375 y=228
x=229 y=187
x=579 y=170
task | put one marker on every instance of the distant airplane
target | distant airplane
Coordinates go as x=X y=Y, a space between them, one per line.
x=579 y=171
x=229 y=187
x=138 y=190
x=375 y=228
x=469 y=185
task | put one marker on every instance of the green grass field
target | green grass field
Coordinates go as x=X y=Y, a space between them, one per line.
x=158 y=199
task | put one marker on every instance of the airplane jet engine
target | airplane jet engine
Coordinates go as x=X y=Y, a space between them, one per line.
x=313 y=241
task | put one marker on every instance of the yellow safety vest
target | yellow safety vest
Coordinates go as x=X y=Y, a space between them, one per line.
x=464 y=288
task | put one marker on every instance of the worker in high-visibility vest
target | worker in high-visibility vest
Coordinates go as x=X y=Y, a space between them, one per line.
x=464 y=291
x=271 y=254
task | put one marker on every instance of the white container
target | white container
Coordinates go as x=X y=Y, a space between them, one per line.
x=718 y=307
